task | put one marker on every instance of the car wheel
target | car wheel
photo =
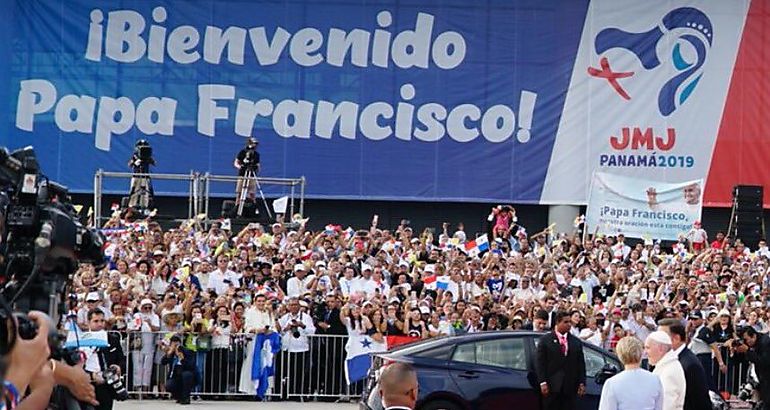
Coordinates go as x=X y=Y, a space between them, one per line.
x=440 y=405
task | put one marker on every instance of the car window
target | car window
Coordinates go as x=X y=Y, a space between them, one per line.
x=594 y=361
x=441 y=352
x=465 y=353
x=508 y=353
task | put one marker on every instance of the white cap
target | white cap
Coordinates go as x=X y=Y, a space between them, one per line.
x=299 y=267
x=424 y=310
x=93 y=297
x=146 y=302
x=365 y=266
x=661 y=337
x=430 y=268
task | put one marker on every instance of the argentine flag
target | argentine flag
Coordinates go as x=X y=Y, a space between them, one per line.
x=77 y=339
x=359 y=356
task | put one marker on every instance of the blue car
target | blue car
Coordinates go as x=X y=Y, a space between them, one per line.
x=483 y=371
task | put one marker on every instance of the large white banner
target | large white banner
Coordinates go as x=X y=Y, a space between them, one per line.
x=648 y=90
x=640 y=208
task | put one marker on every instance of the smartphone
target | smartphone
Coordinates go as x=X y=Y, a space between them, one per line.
x=198 y=316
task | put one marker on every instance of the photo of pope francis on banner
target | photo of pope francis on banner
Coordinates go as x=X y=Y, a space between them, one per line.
x=643 y=208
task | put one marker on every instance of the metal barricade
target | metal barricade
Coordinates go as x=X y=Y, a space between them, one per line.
x=226 y=372
x=735 y=375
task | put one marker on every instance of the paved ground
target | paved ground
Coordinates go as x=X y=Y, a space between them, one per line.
x=228 y=405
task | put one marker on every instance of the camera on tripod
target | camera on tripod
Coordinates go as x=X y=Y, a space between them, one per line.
x=43 y=243
x=141 y=195
x=142 y=157
x=250 y=160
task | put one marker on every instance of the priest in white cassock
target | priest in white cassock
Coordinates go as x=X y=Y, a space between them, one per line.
x=661 y=355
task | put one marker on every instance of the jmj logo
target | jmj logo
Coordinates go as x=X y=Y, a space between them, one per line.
x=690 y=28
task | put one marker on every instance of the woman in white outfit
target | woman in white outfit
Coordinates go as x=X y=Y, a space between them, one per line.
x=258 y=319
x=634 y=388
x=145 y=321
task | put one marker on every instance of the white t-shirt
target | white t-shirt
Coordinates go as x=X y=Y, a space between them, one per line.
x=296 y=287
x=217 y=280
x=591 y=336
x=697 y=235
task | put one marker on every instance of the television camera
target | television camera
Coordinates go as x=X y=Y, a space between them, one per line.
x=41 y=244
x=142 y=157
x=141 y=195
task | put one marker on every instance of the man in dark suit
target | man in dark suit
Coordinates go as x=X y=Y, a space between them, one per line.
x=560 y=366
x=181 y=375
x=330 y=350
x=398 y=387
x=757 y=349
x=696 y=395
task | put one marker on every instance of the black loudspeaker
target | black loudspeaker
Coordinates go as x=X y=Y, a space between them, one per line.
x=748 y=198
x=747 y=223
x=748 y=217
x=748 y=191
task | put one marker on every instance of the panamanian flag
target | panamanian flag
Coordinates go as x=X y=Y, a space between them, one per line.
x=477 y=246
x=359 y=356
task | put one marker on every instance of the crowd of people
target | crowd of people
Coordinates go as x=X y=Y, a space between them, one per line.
x=204 y=296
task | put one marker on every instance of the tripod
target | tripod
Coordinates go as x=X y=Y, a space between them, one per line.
x=249 y=177
x=141 y=192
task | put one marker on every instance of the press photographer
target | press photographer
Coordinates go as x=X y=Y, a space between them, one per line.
x=181 y=373
x=141 y=185
x=295 y=326
x=757 y=348
x=103 y=364
x=42 y=244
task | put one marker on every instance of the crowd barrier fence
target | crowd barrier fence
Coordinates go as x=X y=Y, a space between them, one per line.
x=317 y=374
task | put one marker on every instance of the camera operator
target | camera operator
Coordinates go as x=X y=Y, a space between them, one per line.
x=757 y=348
x=141 y=186
x=295 y=326
x=103 y=364
x=181 y=372
x=247 y=159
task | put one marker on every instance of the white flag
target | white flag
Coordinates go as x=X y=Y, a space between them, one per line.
x=279 y=205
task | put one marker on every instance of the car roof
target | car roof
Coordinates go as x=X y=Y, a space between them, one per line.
x=428 y=344
x=464 y=338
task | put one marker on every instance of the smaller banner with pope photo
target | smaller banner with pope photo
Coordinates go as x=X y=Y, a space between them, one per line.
x=641 y=208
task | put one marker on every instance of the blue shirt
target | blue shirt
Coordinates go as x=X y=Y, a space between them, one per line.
x=635 y=389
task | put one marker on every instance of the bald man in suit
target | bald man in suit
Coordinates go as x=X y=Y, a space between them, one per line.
x=398 y=387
